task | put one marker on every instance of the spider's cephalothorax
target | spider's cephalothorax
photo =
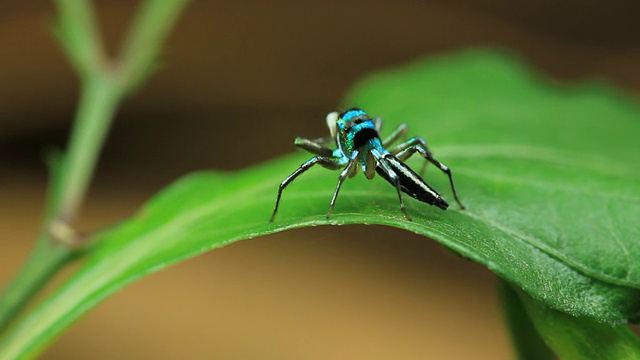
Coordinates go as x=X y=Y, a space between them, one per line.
x=358 y=143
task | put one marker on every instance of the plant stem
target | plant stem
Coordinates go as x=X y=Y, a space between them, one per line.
x=98 y=103
x=78 y=33
x=104 y=85
x=139 y=53
x=45 y=260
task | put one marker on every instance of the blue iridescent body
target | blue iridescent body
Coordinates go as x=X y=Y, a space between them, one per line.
x=359 y=146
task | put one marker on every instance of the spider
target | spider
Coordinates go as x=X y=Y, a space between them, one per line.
x=359 y=145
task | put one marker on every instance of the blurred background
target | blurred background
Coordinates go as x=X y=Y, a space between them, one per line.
x=271 y=71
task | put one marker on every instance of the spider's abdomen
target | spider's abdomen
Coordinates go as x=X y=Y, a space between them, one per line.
x=410 y=182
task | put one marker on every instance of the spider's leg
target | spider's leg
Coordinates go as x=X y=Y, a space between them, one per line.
x=378 y=123
x=326 y=162
x=404 y=150
x=343 y=175
x=393 y=177
x=417 y=144
x=395 y=135
x=314 y=146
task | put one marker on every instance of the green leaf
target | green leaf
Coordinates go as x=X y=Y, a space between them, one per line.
x=581 y=338
x=524 y=336
x=547 y=167
x=549 y=176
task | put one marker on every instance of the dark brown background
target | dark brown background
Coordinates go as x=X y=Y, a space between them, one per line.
x=269 y=72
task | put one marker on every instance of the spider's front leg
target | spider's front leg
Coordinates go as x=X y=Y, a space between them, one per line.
x=324 y=161
x=395 y=135
x=314 y=146
x=417 y=144
x=343 y=175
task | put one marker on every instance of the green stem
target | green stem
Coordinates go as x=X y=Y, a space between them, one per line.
x=44 y=261
x=139 y=53
x=53 y=249
x=98 y=103
x=78 y=33
x=104 y=85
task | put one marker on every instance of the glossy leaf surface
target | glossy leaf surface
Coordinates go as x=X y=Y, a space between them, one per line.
x=548 y=173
